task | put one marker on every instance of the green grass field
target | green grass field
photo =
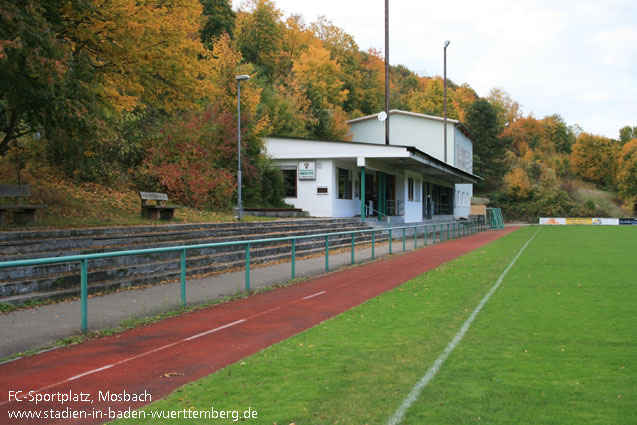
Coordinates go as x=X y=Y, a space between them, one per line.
x=555 y=344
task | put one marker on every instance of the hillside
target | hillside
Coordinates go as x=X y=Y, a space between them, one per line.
x=121 y=103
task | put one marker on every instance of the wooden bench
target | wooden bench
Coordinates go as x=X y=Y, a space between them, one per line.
x=22 y=214
x=159 y=210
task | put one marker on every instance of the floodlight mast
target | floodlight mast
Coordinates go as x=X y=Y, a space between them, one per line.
x=445 y=96
x=239 y=78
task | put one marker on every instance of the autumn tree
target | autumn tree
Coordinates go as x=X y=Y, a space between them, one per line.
x=508 y=109
x=429 y=99
x=594 y=158
x=74 y=68
x=318 y=75
x=345 y=52
x=627 y=174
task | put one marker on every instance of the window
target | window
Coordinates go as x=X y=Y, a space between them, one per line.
x=417 y=191
x=289 y=182
x=410 y=189
x=344 y=183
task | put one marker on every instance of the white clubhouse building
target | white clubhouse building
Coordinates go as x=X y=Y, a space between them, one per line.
x=408 y=180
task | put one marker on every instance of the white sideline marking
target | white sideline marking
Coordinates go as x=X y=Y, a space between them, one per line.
x=314 y=295
x=399 y=414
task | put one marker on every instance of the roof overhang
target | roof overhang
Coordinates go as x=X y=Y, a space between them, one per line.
x=399 y=157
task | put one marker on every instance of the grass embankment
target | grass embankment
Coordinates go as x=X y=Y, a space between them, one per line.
x=555 y=344
x=71 y=204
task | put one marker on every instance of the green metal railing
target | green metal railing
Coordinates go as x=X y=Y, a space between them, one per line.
x=457 y=229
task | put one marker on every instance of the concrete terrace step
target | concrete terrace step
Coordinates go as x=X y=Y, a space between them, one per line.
x=55 y=281
x=21 y=243
x=65 y=247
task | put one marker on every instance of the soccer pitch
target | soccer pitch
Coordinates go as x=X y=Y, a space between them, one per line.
x=556 y=343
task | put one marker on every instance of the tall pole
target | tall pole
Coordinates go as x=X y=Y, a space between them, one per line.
x=387 y=71
x=239 y=146
x=239 y=79
x=445 y=93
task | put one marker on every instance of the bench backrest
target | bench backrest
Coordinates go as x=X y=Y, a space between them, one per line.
x=7 y=191
x=153 y=196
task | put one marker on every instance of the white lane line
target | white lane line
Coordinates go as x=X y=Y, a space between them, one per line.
x=126 y=360
x=313 y=295
x=399 y=414
x=93 y=371
x=190 y=338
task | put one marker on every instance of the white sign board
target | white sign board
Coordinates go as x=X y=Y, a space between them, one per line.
x=552 y=221
x=606 y=221
x=307 y=170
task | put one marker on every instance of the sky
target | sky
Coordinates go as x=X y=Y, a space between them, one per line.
x=575 y=58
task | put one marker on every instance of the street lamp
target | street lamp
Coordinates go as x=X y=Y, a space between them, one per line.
x=239 y=79
x=445 y=94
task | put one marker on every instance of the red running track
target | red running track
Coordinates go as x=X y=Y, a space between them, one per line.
x=158 y=358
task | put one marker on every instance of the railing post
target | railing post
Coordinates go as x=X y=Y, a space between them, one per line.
x=183 y=277
x=404 y=239
x=390 y=241
x=84 y=293
x=327 y=253
x=247 y=267
x=352 y=247
x=293 y=258
x=447 y=231
x=373 y=244
x=415 y=237
x=425 y=235
x=433 y=236
x=441 y=232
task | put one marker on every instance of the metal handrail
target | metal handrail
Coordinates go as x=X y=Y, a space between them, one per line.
x=459 y=229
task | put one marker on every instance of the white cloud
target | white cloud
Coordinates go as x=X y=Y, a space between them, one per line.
x=575 y=58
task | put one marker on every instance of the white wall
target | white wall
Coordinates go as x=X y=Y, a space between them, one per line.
x=318 y=205
x=425 y=134
x=462 y=200
x=463 y=157
x=345 y=207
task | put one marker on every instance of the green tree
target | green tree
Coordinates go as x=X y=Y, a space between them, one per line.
x=218 y=19
x=489 y=149
x=258 y=34
x=559 y=133
x=33 y=69
x=627 y=133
